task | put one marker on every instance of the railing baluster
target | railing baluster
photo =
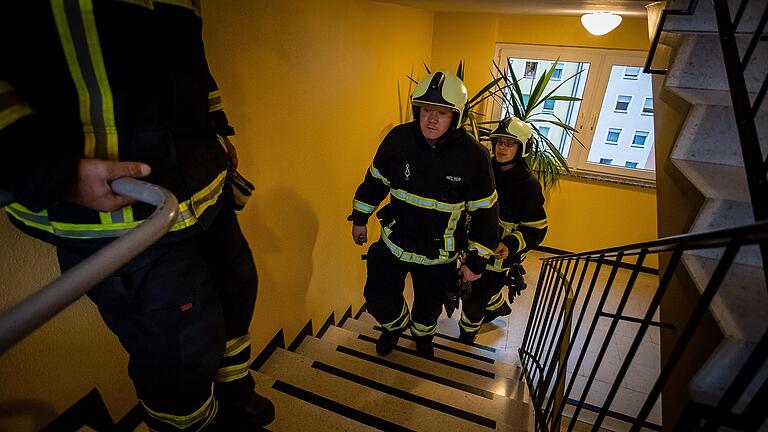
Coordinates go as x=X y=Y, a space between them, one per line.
x=545 y=306
x=755 y=39
x=758 y=102
x=739 y=14
x=693 y=322
x=540 y=306
x=587 y=385
x=655 y=302
x=540 y=286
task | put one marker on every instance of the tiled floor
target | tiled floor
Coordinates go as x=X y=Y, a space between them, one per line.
x=507 y=334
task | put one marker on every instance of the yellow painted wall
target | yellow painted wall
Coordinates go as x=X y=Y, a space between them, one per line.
x=624 y=214
x=311 y=87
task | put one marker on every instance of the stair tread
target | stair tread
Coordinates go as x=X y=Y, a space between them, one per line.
x=475 y=383
x=715 y=180
x=292 y=413
x=502 y=409
x=298 y=370
x=448 y=349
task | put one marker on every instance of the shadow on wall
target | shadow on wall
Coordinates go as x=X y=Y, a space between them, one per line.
x=282 y=229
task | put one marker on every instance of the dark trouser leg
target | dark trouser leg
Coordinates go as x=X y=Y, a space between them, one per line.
x=429 y=285
x=163 y=308
x=235 y=279
x=384 y=288
x=485 y=289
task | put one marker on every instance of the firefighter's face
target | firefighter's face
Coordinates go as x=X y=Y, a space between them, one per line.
x=434 y=121
x=506 y=149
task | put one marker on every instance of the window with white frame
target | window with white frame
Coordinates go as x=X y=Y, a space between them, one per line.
x=631 y=164
x=549 y=105
x=598 y=85
x=530 y=69
x=614 y=134
x=622 y=103
x=631 y=72
x=648 y=106
x=640 y=138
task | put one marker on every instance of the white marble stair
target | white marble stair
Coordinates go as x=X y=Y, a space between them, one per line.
x=703 y=19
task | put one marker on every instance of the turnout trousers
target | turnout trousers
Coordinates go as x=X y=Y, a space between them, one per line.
x=384 y=291
x=181 y=310
x=486 y=296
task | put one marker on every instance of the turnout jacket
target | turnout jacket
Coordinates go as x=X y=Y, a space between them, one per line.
x=432 y=190
x=522 y=219
x=113 y=80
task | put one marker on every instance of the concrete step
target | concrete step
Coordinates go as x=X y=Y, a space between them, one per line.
x=294 y=414
x=703 y=20
x=701 y=79
x=446 y=349
x=725 y=182
x=472 y=380
x=741 y=304
x=502 y=410
x=717 y=214
x=713 y=379
x=389 y=412
x=709 y=134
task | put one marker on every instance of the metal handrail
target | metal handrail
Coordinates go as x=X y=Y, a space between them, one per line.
x=548 y=343
x=19 y=321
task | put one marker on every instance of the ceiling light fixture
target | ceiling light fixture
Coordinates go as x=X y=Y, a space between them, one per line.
x=600 y=23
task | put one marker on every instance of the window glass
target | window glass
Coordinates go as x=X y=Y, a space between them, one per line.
x=631 y=72
x=639 y=139
x=648 y=106
x=613 y=136
x=549 y=105
x=622 y=103
x=606 y=161
x=629 y=164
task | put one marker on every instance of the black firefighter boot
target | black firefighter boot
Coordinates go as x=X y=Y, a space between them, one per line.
x=503 y=310
x=424 y=345
x=467 y=337
x=387 y=341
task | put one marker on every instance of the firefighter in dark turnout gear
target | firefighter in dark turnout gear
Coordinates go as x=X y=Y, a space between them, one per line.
x=435 y=174
x=95 y=90
x=522 y=225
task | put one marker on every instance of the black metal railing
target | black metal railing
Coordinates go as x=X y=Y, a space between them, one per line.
x=580 y=303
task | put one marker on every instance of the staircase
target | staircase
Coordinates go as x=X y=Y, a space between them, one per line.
x=708 y=152
x=335 y=381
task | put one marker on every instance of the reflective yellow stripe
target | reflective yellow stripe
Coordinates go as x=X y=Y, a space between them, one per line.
x=128 y=214
x=11 y=107
x=450 y=242
x=495 y=302
x=427 y=203
x=519 y=236
x=422 y=330
x=363 y=207
x=376 y=174
x=208 y=409
x=193 y=5
x=497 y=266
x=507 y=228
x=482 y=203
x=144 y=3
x=236 y=346
x=468 y=325
x=232 y=373
x=214 y=101
x=536 y=224
x=481 y=250
x=396 y=324
x=205 y=198
x=413 y=257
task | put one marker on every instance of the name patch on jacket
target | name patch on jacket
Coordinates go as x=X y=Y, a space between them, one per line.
x=453 y=178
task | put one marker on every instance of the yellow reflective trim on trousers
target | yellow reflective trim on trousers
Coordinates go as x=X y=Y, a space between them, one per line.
x=495 y=302
x=83 y=96
x=215 y=101
x=186 y=218
x=481 y=250
x=422 y=330
x=108 y=127
x=536 y=224
x=236 y=346
x=363 y=207
x=519 y=236
x=232 y=373
x=483 y=203
x=402 y=255
x=427 y=203
x=13 y=113
x=376 y=174
x=391 y=326
x=468 y=325
x=185 y=421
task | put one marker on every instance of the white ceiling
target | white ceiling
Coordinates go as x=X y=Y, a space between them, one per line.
x=628 y=8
